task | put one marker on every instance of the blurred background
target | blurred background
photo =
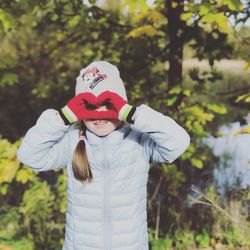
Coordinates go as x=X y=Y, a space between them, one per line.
x=189 y=60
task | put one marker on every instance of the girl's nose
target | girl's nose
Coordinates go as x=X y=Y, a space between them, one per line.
x=102 y=108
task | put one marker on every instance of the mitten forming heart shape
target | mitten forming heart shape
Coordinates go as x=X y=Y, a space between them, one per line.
x=105 y=98
x=84 y=105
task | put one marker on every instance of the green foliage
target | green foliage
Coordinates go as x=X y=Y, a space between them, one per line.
x=37 y=208
x=73 y=22
x=212 y=14
x=217 y=108
x=197 y=113
x=243 y=98
x=196 y=162
x=162 y=244
x=148 y=30
x=8 y=170
x=233 y=237
x=234 y=5
x=8 y=164
x=35 y=219
x=184 y=240
x=10 y=230
x=61 y=187
x=9 y=79
x=10 y=167
x=9 y=227
x=136 y=9
x=159 y=244
x=173 y=175
x=24 y=175
x=8 y=20
x=37 y=197
x=203 y=239
x=22 y=244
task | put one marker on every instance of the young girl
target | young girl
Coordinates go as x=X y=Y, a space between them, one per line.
x=106 y=146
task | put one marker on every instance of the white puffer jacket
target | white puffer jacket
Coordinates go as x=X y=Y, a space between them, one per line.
x=110 y=212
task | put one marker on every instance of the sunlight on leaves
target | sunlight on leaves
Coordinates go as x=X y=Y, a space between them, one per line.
x=147 y=30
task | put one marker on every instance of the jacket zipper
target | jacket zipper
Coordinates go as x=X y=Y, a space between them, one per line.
x=107 y=232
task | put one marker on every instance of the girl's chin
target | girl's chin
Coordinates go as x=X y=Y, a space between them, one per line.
x=103 y=132
x=103 y=129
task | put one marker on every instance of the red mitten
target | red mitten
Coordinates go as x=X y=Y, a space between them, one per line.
x=124 y=110
x=109 y=114
x=78 y=109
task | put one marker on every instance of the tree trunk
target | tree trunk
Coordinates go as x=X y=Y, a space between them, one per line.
x=175 y=29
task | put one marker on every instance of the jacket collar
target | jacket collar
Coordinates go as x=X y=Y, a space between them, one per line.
x=113 y=138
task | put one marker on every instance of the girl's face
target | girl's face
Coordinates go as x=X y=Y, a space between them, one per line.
x=102 y=127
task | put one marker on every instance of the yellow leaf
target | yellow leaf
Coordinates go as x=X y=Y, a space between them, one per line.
x=132 y=6
x=204 y=9
x=219 y=20
x=7 y=150
x=174 y=4
x=95 y=35
x=187 y=92
x=189 y=152
x=220 y=134
x=246 y=66
x=222 y=23
x=234 y=5
x=137 y=17
x=171 y=101
x=196 y=112
x=137 y=9
x=74 y=21
x=155 y=16
x=243 y=98
x=4 y=188
x=245 y=130
x=142 y=4
x=197 y=163
x=198 y=129
x=186 y=16
x=175 y=90
x=24 y=175
x=8 y=21
x=217 y=108
x=188 y=124
x=147 y=30
x=8 y=169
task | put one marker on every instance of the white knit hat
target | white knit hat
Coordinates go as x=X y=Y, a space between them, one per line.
x=98 y=77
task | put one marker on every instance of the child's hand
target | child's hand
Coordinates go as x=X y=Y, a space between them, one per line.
x=124 y=110
x=78 y=109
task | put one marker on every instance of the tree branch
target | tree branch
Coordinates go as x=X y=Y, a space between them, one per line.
x=155 y=192
x=234 y=91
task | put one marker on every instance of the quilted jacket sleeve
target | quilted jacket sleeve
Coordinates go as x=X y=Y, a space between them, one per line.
x=163 y=140
x=45 y=145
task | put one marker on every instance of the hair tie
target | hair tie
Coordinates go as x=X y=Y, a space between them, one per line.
x=82 y=137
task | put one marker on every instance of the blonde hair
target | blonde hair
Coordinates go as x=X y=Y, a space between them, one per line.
x=80 y=164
